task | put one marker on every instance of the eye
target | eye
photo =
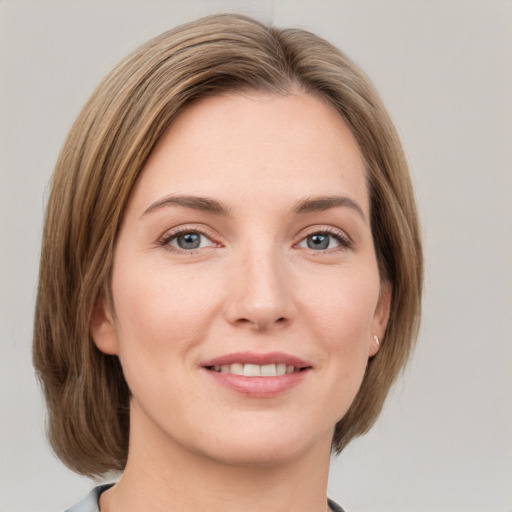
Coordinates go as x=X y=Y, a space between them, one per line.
x=187 y=241
x=324 y=240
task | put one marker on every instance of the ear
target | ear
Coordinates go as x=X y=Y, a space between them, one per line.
x=380 y=317
x=103 y=329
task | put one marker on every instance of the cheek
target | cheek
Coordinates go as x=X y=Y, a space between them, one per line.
x=158 y=308
x=344 y=307
x=342 y=318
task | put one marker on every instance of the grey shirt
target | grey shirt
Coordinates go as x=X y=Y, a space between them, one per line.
x=91 y=502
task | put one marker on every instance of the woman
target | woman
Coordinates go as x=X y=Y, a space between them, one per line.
x=239 y=272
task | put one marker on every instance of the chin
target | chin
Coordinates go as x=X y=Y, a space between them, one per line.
x=255 y=448
x=262 y=455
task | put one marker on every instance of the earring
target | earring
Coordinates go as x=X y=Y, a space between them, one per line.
x=377 y=341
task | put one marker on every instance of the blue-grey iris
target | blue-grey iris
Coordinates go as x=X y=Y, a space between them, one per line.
x=318 y=241
x=189 y=241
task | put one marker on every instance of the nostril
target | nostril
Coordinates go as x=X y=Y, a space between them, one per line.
x=282 y=319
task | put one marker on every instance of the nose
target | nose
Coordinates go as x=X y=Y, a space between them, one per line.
x=261 y=292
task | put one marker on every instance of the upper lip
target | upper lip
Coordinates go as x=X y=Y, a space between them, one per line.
x=255 y=358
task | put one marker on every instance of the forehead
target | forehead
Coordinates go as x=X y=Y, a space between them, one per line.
x=241 y=145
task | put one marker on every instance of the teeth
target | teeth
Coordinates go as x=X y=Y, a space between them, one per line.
x=236 y=369
x=281 y=368
x=252 y=370
x=256 y=370
x=268 y=370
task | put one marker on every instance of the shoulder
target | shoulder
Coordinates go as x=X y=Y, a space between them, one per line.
x=91 y=502
x=334 y=506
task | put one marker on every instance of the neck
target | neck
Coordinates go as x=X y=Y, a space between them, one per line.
x=162 y=475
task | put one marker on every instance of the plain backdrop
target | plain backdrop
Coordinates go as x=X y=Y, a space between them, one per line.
x=444 y=440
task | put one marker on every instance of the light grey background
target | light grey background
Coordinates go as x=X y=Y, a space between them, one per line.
x=444 y=441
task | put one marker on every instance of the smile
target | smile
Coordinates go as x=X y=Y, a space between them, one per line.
x=257 y=375
x=256 y=370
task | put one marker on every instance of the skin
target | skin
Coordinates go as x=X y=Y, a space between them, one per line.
x=253 y=285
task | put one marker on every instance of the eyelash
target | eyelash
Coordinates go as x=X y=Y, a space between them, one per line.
x=174 y=234
x=341 y=237
x=343 y=240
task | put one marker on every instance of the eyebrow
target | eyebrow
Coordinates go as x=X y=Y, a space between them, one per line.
x=322 y=203
x=206 y=204
x=203 y=204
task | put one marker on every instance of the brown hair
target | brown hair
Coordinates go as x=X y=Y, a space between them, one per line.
x=108 y=145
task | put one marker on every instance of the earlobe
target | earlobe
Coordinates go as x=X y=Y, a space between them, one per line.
x=103 y=329
x=380 y=318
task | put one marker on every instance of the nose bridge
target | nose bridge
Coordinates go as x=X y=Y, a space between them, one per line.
x=261 y=293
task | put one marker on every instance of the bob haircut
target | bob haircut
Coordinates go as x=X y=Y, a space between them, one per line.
x=85 y=390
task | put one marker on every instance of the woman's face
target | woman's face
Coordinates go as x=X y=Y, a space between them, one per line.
x=245 y=284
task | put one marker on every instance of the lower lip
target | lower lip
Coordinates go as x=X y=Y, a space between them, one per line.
x=258 y=387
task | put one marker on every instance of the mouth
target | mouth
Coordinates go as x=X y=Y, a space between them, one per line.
x=258 y=375
x=251 y=364
x=256 y=370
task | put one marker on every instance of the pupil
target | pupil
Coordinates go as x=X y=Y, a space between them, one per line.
x=318 y=241
x=189 y=241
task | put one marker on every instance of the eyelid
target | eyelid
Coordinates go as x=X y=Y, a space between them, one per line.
x=182 y=230
x=344 y=239
x=345 y=242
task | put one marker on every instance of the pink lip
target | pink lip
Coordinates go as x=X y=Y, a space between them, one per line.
x=254 y=358
x=257 y=387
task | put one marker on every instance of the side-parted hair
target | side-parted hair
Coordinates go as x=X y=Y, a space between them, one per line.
x=85 y=390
